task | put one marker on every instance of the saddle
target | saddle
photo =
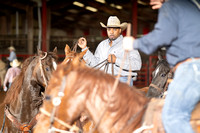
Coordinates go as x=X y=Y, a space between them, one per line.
x=152 y=119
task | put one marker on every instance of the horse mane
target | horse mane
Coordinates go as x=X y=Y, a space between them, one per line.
x=164 y=62
x=15 y=88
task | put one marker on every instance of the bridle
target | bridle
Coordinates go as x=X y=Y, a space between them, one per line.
x=162 y=90
x=25 y=128
x=56 y=101
x=41 y=69
x=157 y=88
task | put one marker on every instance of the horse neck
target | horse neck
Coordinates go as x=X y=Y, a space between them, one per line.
x=135 y=111
x=23 y=107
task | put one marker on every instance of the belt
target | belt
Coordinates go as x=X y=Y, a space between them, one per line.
x=124 y=76
x=187 y=60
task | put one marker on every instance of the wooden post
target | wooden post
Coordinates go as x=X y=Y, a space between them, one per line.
x=29 y=16
x=3 y=25
x=128 y=31
x=44 y=25
x=48 y=28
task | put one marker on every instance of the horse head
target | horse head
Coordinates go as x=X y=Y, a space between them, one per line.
x=24 y=97
x=45 y=66
x=64 y=70
x=159 y=78
x=71 y=54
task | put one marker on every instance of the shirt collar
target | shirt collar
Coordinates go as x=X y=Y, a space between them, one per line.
x=116 y=40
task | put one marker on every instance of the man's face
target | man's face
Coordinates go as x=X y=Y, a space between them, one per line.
x=113 y=33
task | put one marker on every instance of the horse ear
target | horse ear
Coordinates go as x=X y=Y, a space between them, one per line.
x=160 y=55
x=55 y=50
x=67 y=49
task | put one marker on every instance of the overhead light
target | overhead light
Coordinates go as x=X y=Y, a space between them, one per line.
x=81 y=23
x=86 y=16
x=78 y=4
x=112 y=5
x=56 y=13
x=142 y=3
x=101 y=1
x=72 y=11
x=118 y=7
x=91 y=8
x=69 y=18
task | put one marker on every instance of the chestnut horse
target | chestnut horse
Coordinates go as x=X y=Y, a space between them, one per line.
x=24 y=97
x=75 y=89
x=86 y=90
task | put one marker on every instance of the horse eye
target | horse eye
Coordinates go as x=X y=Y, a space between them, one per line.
x=163 y=75
x=47 y=69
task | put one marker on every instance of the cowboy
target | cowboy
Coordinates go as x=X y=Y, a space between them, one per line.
x=112 y=50
x=178 y=30
x=11 y=73
x=12 y=55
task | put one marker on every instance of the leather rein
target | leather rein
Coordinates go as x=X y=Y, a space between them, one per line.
x=25 y=128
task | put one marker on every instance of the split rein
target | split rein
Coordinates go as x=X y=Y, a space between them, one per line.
x=105 y=63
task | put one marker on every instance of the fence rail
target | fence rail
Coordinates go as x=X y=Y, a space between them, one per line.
x=144 y=75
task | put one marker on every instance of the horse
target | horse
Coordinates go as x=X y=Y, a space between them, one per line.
x=2 y=72
x=159 y=78
x=25 y=96
x=87 y=90
x=75 y=89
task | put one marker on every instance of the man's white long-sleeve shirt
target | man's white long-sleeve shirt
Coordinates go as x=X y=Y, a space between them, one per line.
x=104 y=49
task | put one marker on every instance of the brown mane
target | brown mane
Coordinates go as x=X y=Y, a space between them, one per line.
x=15 y=89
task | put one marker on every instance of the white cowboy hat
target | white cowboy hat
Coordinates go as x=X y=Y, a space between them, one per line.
x=11 y=48
x=15 y=63
x=113 y=21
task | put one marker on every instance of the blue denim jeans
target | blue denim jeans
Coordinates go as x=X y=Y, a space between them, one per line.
x=125 y=79
x=183 y=95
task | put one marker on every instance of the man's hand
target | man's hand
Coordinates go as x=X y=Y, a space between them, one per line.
x=128 y=43
x=82 y=42
x=111 y=58
x=156 y=4
x=5 y=88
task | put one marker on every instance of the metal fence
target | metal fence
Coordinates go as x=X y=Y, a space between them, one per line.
x=144 y=75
